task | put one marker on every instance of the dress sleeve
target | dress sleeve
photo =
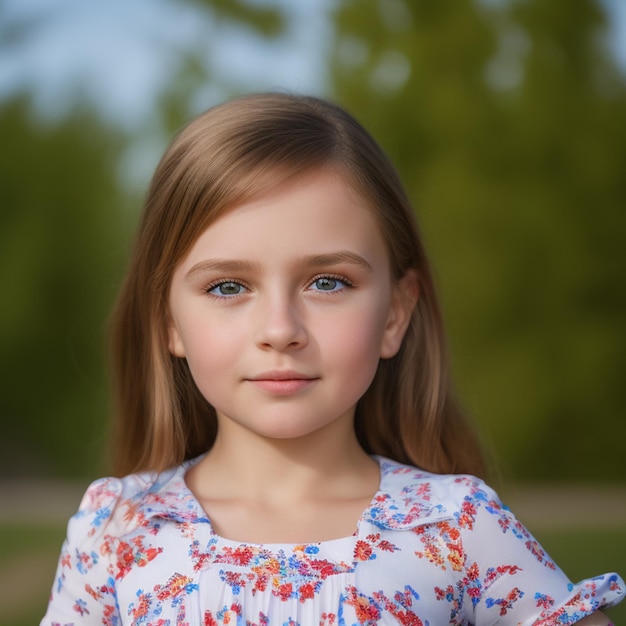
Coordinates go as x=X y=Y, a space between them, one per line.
x=83 y=591
x=509 y=578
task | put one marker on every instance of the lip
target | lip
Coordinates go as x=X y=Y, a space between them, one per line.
x=282 y=382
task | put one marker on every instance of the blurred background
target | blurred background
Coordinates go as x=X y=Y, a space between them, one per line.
x=507 y=121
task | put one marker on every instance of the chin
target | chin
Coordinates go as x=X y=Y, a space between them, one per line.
x=286 y=434
x=287 y=431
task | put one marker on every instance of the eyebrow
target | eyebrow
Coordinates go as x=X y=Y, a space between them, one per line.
x=335 y=258
x=221 y=265
x=316 y=260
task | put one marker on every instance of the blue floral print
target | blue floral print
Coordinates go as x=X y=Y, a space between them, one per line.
x=430 y=549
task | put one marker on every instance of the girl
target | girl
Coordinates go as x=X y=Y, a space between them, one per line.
x=284 y=411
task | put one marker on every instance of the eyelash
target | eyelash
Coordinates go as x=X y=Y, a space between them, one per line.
x=225 y=281
x=347 y=284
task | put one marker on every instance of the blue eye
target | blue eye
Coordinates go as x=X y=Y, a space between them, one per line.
x=226 y=289
x=328 y=283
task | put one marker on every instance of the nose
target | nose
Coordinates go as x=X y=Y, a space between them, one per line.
x=280 y=325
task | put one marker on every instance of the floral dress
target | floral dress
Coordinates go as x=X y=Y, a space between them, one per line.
x=429 y=550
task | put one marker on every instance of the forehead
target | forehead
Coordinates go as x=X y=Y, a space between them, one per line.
x=316 y=213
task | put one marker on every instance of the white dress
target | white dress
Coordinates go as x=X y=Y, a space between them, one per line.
x=429 y=550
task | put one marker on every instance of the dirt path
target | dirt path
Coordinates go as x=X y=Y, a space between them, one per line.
x=569 y=507
x=39 y=501
x=538 y=506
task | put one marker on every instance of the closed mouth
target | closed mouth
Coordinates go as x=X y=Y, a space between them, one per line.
x=283 y=383
x=281 y=375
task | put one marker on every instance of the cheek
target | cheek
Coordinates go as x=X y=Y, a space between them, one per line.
x=355 y=341
x=356 y=363
x=208 y=374
x=208 y=354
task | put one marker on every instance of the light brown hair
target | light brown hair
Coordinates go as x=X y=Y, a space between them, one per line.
x=232 y=153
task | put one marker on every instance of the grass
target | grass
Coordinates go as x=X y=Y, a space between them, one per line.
x=587 y=553
x=16 y=539
x=28 y=558
x=581 y=554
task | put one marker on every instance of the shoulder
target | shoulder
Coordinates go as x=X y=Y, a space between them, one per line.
x=106 y=501
x=117 y=506
x=409 y=496
x=114 y=529
x=460 y=526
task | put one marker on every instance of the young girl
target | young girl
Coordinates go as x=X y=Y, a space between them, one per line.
x=284 y=412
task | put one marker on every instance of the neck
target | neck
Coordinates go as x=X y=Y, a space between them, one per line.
x=323 y=464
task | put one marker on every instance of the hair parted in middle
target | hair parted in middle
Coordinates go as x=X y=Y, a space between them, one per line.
x=238 y=151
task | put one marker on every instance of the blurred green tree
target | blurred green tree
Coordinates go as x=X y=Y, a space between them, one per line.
x=195 y=74
x=62 y=244
x=508 y=124
x=67 y=218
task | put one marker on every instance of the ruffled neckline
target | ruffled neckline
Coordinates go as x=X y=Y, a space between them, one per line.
x=407 y=497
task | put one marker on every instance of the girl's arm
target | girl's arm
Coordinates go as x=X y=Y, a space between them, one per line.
x=84 y=589
x=543 y=594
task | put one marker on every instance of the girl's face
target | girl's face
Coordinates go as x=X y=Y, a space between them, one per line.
x=284 y=306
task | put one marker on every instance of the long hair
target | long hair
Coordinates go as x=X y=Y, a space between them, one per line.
x=232 y=153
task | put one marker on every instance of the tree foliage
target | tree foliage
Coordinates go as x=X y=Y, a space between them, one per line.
x=508 y=125
x=62 y=244
x=66 y=225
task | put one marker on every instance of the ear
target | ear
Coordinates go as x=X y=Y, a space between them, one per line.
x=174 y=341
x=403 y=301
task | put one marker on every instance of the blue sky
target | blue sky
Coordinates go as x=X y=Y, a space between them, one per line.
x=120 y=53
